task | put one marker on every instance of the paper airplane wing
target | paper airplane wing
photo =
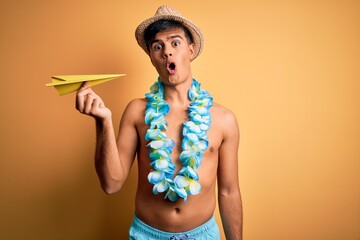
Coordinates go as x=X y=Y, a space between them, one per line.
x=70 y=83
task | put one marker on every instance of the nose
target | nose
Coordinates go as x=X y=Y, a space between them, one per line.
x=166 y=55
x=167 y=52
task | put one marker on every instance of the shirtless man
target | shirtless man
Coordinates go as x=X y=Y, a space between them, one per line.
x=175 y=196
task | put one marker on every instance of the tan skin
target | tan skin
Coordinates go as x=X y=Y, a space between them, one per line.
x=114 y=157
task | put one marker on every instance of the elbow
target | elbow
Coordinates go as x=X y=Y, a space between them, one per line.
x=111 y=189
x=229 y=192
x=110 y=184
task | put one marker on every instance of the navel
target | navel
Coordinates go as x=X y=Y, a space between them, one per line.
x=211 y=149
x=177 y=210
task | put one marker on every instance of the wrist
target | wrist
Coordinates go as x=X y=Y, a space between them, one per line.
x=104 y=122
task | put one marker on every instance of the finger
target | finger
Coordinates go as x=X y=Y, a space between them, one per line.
x=79 y=102
x=81 y=97
x=83 y=86
x=89 y=103
x=101 y=104
x=96 y=105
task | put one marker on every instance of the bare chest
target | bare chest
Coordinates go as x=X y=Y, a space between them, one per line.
x=174 y=130
x=175 y=122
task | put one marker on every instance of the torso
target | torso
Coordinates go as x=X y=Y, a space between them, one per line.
x=177 y=216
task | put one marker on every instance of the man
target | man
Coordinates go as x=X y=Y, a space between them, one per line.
x=183 y=142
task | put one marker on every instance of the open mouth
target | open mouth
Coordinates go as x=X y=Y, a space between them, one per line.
x=171 y=68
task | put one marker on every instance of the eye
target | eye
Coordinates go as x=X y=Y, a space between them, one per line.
x=157 y=47
x=175 y=44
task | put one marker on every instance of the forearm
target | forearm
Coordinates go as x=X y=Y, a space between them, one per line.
x=230 y=206
x=111 y=167
x=107 y=162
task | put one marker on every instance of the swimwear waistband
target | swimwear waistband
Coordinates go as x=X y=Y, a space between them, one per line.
x=203 y=229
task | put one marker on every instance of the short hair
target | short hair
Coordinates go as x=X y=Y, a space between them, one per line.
x=161 y=25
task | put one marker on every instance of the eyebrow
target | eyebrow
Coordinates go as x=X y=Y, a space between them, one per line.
x=171 y=37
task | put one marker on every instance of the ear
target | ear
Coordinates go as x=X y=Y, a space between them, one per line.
x=192 y=50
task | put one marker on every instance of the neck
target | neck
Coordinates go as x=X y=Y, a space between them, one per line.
x=177 y=95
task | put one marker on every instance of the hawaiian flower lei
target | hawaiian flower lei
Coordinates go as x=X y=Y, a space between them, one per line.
x=194 y=143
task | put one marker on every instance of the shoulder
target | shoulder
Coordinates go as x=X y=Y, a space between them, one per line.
x=137 y=104
x=135 y=109
x=224 y=119
x=223 y=114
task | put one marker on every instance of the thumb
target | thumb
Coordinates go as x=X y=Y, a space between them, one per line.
x=84 y=86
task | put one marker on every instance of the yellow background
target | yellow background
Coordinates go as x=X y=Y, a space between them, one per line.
x=289 y=70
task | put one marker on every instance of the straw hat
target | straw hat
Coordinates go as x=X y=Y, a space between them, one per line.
x=169 y=13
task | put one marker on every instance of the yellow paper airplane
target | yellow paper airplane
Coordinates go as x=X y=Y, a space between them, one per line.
x=70 y=83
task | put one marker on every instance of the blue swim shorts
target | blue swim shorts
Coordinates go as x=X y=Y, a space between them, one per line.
x=141 y=231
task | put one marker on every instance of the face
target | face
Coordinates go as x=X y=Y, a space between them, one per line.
x=171 y=54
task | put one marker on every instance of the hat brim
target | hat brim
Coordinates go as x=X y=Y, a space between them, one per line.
x=198 y=39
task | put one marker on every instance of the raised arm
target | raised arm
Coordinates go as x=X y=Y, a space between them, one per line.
x=229 y=196
x=113 y=159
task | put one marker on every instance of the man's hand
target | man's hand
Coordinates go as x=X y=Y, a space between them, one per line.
x=89 y=103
